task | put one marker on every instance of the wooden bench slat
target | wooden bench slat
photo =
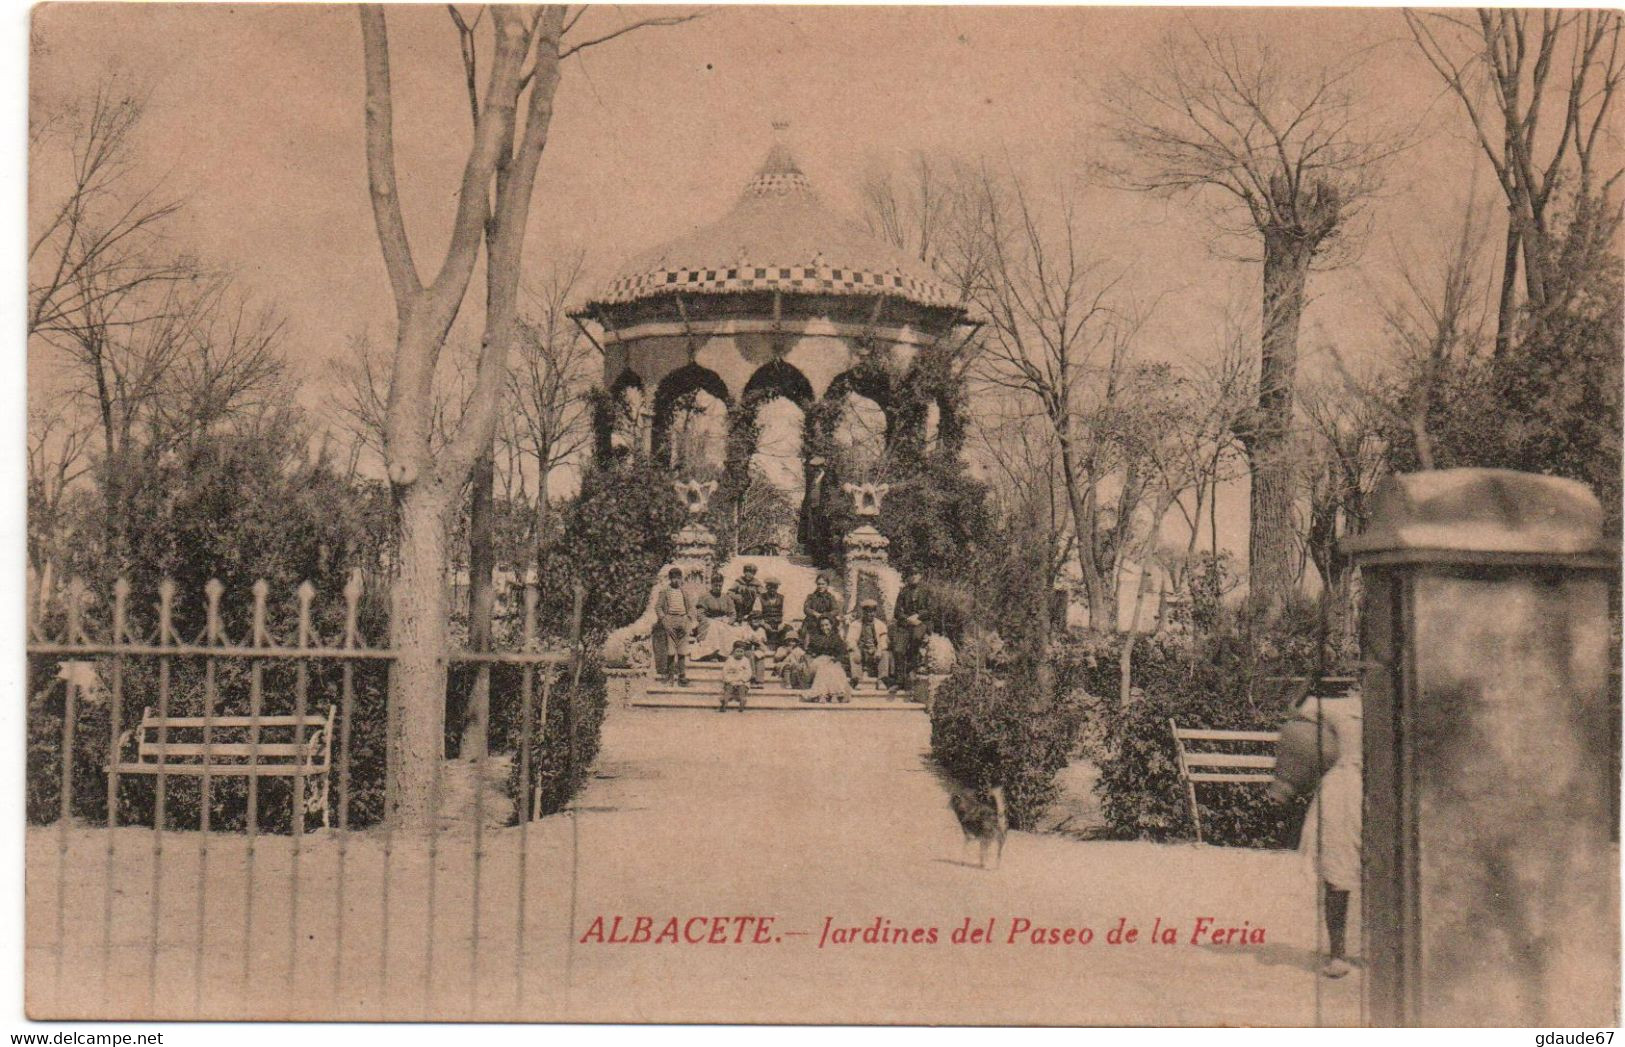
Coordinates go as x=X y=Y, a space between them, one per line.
x=223 y=770
x=1229 y=760
x=233 y=722
x=308 y=756
x=1187 y=735
x=1198 y=776
x=223 y=749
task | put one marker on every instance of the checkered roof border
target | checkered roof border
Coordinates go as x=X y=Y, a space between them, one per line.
x=806 y=279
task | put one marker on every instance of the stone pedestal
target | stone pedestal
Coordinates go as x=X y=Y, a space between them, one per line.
x=865 y=553
x=696 y=551
x=1491 y=885
x=696 y=545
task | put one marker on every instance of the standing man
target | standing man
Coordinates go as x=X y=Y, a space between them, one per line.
x=744 y=594
x=819 y=606
x=867 y=646
x=908 y=629
x=674 y=617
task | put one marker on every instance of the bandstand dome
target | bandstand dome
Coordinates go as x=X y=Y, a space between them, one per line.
x=779 y=236
x=780 y=296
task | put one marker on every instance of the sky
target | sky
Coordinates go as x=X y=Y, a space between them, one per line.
x=256 y=118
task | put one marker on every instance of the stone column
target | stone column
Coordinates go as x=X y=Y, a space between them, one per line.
x=1491 y=885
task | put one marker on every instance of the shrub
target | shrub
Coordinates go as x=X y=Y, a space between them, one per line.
x=1011 y=731
x=552 y=768
x=619 y=531
x=1234 y=680
x=228 y=796
x=1140 y=789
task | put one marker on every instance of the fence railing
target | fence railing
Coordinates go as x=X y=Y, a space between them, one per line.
x=161 y=735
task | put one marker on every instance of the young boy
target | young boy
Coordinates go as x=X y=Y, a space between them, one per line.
x=794 y=668
x=736 y=674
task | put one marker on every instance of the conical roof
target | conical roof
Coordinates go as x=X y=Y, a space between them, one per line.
x=779 y=236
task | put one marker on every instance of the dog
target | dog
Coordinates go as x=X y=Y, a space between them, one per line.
x=982 y=818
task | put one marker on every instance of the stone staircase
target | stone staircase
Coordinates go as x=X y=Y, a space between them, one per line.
x=796 y=576
x=704 y=691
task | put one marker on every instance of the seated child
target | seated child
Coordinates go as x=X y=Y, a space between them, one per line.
x=736 y=675
x=794 y=668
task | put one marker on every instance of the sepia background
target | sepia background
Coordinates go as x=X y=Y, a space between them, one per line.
x=211 y=426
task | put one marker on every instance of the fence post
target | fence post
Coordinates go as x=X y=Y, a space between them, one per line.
x=578 y=656
x=1489 y=879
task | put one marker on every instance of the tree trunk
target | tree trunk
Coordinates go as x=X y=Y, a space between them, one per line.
x=1270 y=545
x=1102 y=604
x=1125 y=678
x=481 y=597
x=544 y=536
x=1506 y=312
x=418 y=603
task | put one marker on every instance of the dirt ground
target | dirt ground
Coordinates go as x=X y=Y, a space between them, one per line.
x=796 y=816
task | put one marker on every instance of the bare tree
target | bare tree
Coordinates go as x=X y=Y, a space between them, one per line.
x=1289 y=161
x=512 y=118
x=1434 y=325
x=358 y=400
x=1018 y=446
x=1515 y=73
x=1057 y=333
x=230 y=364
x=1344 y=456
x=930 y=210
x=910 y=211
x=548 y=387
x=97 y=243
x=166 y=362
x=58 y=455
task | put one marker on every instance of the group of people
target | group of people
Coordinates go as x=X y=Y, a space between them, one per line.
x=821 y=654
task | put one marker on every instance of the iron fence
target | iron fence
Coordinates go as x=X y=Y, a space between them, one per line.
x=235 y=915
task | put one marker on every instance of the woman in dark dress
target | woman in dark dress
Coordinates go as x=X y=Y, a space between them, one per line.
x=828 y=652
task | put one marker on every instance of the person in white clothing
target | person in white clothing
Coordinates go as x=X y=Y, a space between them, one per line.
x=1330 y=842
x=868 y=645
x=736 y=674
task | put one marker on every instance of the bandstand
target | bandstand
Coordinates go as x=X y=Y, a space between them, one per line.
x=781 y=297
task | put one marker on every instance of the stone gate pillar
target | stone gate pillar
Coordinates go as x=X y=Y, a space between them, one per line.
x=1491 y=885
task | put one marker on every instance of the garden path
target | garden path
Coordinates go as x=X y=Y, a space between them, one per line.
x=796 y=816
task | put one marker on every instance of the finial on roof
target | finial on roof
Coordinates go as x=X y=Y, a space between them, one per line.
x=779 y=174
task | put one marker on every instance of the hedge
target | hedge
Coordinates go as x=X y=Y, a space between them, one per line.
x=229 y=796
x=990 y=730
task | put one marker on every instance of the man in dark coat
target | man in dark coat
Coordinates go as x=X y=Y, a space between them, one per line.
x=744 y=593
x=770 y=605
x=908 y=629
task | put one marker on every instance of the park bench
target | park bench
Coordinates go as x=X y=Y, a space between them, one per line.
x=1233 y=757
x=237 y=747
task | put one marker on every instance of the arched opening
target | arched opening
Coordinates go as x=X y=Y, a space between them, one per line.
x=777 y=396
x=933 y=425
x=628 y=420
x=862 y=430
x=779 y=379
x=689 y=428
x=777 y=478
x=867 y=390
